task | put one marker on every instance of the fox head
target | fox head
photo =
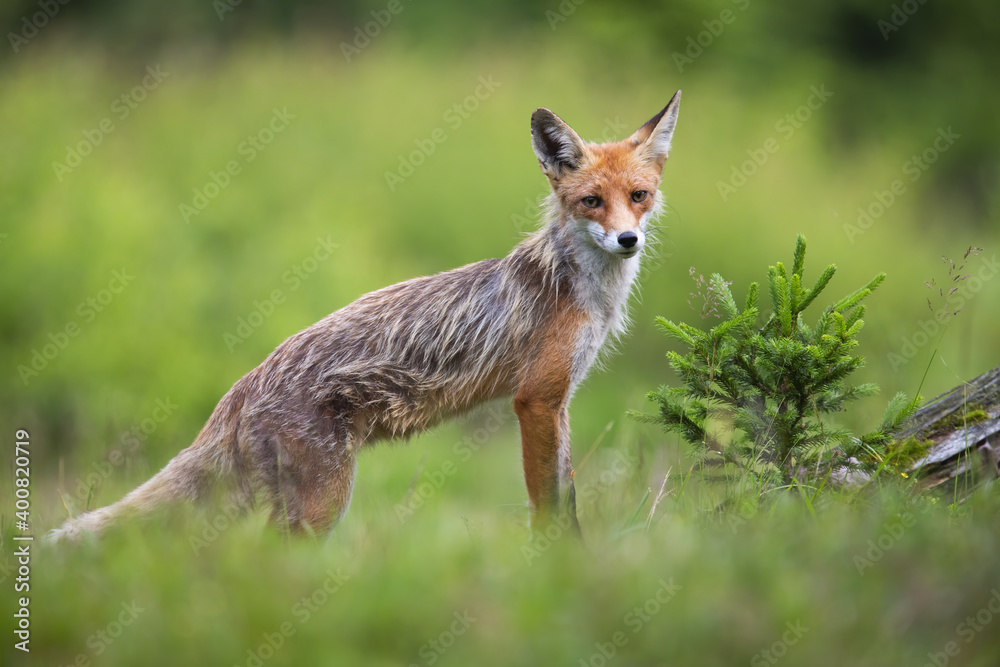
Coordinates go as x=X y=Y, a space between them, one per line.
x=609 y=191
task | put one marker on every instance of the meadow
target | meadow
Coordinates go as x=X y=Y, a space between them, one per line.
x=167 y=223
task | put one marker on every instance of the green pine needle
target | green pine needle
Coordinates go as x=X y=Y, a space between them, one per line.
x=761 y=402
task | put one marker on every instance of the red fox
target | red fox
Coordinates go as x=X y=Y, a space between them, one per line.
x=400 y=359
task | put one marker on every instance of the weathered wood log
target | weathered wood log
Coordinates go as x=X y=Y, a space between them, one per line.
x=961 y=430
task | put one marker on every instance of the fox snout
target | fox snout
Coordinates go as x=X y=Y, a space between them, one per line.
x=616 y=219
x=631 y=241
x=621 y=243
x=628 y=240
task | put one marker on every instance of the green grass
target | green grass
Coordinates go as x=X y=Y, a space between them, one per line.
x=466 y=547
x=877 y=579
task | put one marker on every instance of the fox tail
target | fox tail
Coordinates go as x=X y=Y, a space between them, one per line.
x=187 y=477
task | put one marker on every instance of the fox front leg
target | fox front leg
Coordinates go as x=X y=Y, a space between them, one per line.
x=566 y=472
x=548 y=471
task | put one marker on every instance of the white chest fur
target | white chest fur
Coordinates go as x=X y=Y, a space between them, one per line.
x=603 y=293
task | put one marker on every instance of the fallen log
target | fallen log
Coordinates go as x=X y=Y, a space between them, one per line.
x=960 y=430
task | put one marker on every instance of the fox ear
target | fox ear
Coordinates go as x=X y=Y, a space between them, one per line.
x=558 y=147
x=654 y=137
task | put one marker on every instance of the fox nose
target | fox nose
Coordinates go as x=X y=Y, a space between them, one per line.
x=627 y=239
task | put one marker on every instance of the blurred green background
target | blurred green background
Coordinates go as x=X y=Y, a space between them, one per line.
x=172 y=178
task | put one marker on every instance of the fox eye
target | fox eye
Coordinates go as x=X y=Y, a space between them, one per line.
x=639 y=195
x=591 y=201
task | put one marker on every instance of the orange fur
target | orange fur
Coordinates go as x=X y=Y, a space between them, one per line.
x=611 y=172
x=542 y=397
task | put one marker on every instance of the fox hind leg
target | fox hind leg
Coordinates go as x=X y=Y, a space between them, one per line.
x=325 y=504
x=311 y=495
